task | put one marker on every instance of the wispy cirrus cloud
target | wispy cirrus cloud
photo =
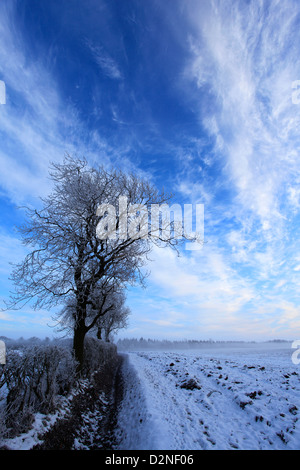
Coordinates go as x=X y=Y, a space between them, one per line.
x=210 y=115
x=242 y=62
x=105 y=62
x=206 y=296
x=38 y=123
x=34 y=122
x=243 y=52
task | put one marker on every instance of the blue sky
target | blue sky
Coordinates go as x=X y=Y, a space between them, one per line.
x=195 y=96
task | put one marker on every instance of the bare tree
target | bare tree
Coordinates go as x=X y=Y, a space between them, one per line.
x=114 y=319
x=106 y=312
x=67 y=259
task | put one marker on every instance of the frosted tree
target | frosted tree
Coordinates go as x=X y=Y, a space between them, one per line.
x=114 y=319
x=106 y=311
x=67 y=259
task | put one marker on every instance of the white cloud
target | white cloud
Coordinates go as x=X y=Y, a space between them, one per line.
x=37 y=125
x=245 y=55
x=106 y=63
x=243 y=62
x=203 y=284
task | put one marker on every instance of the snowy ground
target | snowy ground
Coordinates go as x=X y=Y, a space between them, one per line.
x=238 y=398
x=210 y=399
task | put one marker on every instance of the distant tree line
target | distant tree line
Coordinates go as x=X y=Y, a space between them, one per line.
x=135 y=344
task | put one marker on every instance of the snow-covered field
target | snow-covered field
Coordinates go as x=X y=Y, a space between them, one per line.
x=226 y=398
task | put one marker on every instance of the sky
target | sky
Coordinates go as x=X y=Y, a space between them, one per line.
x=199 y=97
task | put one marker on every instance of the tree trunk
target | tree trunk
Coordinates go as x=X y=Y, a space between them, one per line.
x=80 y=331
x=99 y=333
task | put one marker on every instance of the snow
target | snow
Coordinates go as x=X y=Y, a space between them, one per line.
x=42 y=423
x=237 y=398
x=88 y=433
x=218 y=398
x=28 y=440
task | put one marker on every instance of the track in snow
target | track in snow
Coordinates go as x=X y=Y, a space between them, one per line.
x=209 y=400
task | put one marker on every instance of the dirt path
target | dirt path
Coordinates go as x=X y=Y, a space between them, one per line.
x=93 y=414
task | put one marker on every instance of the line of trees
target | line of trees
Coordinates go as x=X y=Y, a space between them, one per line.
x=68 y=265
x=106 y=312
x=135 y=344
